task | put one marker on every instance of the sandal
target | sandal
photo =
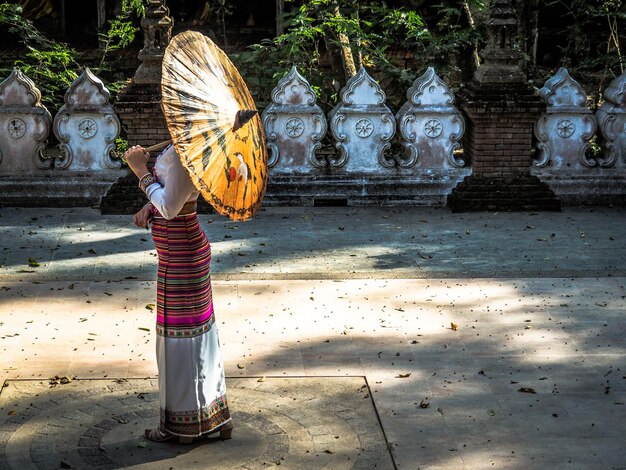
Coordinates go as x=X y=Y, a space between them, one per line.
x=225 y=430
x=156 y=435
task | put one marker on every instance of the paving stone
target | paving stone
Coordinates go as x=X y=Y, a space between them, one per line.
x=531 y=309
x=261 y=439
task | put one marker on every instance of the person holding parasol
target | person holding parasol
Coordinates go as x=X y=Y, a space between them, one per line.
x=217 y=150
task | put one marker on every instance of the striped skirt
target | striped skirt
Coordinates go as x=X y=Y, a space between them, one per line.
x=192 y=387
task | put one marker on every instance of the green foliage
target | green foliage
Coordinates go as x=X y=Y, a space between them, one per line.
x=395 y=44
x=52 y=65
x=590 y=36
x=121 y=145
x=121 y=32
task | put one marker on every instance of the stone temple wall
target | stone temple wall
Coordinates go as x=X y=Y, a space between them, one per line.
x=539 y=142
x=498 y=145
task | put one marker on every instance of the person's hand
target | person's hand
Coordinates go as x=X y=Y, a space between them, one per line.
x=143 y=218
x=137 y=159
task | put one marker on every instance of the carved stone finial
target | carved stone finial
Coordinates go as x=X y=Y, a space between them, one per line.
x=430 y=126
x=612 y=124
x=562 y=92
x=500 y=59
x=363 y=127
x=565 y=130
x=24 y=123
x=157 y=29
x=294 y=126
x=87 y=126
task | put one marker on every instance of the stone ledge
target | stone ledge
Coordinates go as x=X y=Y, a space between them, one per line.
x=592 y=187
x=56 y=189
x=427 y=189
x=520 y=193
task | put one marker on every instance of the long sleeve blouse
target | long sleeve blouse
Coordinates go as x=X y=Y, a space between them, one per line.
x=173 y=187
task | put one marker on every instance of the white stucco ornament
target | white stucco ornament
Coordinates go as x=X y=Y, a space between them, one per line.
x=87 y=126
x=24 y=126
x=430 y=126
x=363 y=127
x=294 y=126
x=564 y=131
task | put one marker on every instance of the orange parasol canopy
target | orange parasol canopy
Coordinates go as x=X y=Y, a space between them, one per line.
x=215 y=127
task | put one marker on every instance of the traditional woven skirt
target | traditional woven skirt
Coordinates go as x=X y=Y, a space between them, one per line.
x=192 y=387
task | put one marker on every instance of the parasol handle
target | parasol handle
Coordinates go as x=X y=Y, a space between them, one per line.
x=159 y=146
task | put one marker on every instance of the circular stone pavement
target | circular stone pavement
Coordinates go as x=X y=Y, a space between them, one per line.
x=298 y=423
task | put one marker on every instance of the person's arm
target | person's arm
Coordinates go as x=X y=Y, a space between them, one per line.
x=169 y=199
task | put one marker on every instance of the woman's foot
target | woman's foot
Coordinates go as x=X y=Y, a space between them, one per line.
x=225 y=430
x=156 y=435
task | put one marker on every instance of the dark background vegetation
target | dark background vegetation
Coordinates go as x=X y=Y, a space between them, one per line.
x=396 y=40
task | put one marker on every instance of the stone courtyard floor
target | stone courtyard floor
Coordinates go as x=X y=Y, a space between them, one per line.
x=353 y=338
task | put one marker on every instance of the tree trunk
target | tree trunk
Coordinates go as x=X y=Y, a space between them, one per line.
x=533 y=30
x=359 y=56
x=347 y=59
x=470 y=21
x=280 y=9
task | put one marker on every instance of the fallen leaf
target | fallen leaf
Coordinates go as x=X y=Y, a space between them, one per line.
x=328 y=451
x=141 y=444
x=425 y=256
x=424 y=403
x=262 y=379
x=11 y=413
x=491 y=412
x=144 y=329
x=57 y=380
x=92 y=251
x=33 y=263
x=149 y=306
x=239 y=366
x=527 y=390
x=454 y=326
x=403 y=376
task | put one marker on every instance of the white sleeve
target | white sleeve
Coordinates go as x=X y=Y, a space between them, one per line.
x=170 y=197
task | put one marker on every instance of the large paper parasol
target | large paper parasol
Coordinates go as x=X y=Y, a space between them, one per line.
x=214 y=125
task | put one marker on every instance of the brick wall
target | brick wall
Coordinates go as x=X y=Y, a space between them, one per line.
x=139 y=110
x=499 y=135
x=498 y=146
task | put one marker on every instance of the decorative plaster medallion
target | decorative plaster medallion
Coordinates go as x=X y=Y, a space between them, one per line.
x=433 y=128
x=87 y=128
x=16 y=128
x=364 y=127
x=565 y=128
x=294 y=127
